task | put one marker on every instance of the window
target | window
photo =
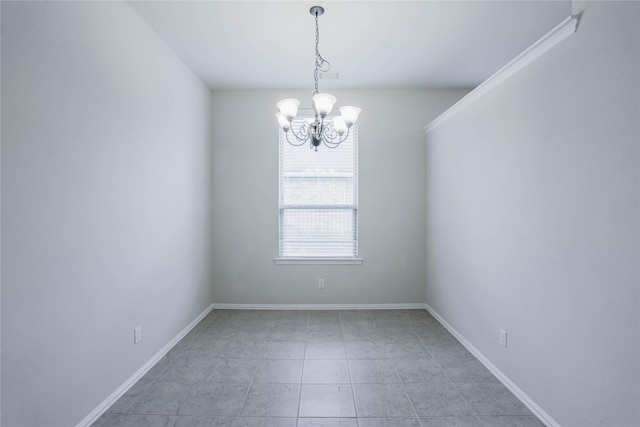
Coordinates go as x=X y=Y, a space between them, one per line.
x=319 y=200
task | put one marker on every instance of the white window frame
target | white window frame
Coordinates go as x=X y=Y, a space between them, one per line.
x=356 y=259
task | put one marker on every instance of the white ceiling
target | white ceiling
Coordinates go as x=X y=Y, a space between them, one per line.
x=372 y=44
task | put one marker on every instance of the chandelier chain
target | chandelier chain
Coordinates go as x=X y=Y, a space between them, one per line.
x=322 y=65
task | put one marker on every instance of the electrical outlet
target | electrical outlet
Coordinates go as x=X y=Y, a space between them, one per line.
x=503 y=338
x=137 y=334
x=320 y=283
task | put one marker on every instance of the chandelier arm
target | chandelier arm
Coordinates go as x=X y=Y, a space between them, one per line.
x=333 y=144
x=331 y=147
x=295 y=144
x=303 y=132
x=329 y=135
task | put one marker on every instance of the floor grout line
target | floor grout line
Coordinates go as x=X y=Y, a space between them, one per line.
x=264 y=332
x=395 y=368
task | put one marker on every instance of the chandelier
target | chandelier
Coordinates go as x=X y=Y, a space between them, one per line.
x=331 y=132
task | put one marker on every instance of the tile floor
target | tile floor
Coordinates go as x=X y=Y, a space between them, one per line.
x=384 y=368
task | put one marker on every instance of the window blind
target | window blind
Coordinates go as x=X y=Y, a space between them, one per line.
x=319 y=198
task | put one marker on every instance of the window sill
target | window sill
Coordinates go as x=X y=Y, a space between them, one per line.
x=317 y=260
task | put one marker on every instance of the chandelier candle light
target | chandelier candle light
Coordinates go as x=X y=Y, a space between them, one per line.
x=329 y=132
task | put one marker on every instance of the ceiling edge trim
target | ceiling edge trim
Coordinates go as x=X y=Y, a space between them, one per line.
x=563 y=30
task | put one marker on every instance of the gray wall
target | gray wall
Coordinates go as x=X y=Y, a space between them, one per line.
x=106 y=204
x=392 y=201
x=533 y=222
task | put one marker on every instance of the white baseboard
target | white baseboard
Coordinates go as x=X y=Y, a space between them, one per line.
x=398 y=306
x=102 y=408
x=521 y=395
x=517 y=391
